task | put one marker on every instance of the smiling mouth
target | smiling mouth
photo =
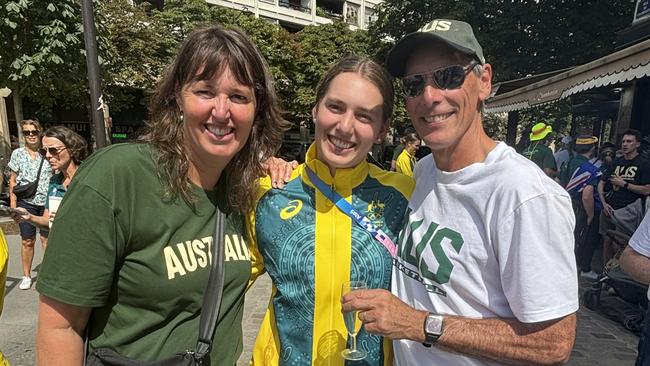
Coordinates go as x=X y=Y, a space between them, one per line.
x=340 y=144
x=437 y=117
x=219 y=131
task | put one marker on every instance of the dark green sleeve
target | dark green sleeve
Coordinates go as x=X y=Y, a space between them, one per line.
x=84 y=246
x=397 y=151
x=549 y=160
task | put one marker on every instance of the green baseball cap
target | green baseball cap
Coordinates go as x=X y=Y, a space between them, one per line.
x=456 y=34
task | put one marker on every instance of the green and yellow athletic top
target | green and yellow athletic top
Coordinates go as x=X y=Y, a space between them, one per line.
x=309 y=248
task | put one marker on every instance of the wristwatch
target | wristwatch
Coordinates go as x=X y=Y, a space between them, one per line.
x=432 y=329
x=626 y=184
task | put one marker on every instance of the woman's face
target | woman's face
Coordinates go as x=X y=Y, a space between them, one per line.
x=411 y=147
x=56 y=153
x=349 y=119
x=218 y=117
x=32 y=135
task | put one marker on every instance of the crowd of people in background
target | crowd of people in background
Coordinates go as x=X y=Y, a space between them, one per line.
x=450 y=274
x=608 y=187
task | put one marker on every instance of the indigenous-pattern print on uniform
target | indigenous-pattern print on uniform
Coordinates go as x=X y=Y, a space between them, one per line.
x=310 y=248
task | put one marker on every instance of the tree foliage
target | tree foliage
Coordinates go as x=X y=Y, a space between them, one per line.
x=42 y=49
x=519 y=37
x=42 y=46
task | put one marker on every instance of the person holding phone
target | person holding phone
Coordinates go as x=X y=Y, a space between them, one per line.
x=309 y=245
x=26 y=165
x=64 y=149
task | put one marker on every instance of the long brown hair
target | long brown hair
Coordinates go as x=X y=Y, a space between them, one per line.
x=205 y=52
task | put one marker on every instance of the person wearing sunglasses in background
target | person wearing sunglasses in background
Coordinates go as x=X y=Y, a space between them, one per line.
x=25 y=164
x=485 y=271
x=406 y=159
x=64 y=149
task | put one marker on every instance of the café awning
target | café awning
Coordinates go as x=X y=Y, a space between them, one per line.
x=618 y=67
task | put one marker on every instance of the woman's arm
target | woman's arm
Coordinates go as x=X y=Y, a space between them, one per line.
x=60 y=333
x=42 y=221
x=23 y=215
x=13 y=200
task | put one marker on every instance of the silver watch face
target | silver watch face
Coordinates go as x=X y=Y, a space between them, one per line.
x=433 y=324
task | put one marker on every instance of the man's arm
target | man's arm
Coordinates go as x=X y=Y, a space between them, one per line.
x=639 y=189
x=550 y=168
x=552 y=173
x=60 y=332
x=588 y=202
x=607 y=209
x=636 y=265
x=504 y=340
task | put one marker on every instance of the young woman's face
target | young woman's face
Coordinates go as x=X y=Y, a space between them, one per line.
x=411 y=147
x=349 y=119
x=56 y=153
x=218 y=116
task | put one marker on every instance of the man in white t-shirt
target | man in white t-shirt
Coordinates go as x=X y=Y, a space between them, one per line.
x=485 y=272
x=635 y=261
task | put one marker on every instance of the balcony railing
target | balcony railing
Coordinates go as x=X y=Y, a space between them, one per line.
x=326 y=13
x=287 y=4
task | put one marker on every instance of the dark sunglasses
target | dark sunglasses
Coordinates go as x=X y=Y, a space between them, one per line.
x=31 y=132
x=449 y=77
x=52 y=150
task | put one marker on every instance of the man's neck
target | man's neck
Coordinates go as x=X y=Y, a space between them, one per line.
x=473 y=147
x=631 y=155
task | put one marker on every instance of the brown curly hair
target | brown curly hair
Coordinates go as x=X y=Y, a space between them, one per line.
x=205 y=52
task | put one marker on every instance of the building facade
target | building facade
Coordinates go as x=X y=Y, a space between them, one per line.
x=296 y=14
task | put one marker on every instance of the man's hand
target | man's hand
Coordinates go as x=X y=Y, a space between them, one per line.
x=279 y=170
x=617 y=181
x=607 y=209
x=384 y=314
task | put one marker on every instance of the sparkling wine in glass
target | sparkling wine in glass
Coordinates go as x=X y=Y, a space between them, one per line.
x=352 y=323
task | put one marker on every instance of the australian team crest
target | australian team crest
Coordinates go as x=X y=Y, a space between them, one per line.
x=375 y=212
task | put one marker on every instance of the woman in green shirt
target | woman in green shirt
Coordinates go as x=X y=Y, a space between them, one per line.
x=130 y=253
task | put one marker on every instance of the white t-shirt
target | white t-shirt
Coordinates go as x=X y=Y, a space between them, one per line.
x=494 y=239
x=640 y=240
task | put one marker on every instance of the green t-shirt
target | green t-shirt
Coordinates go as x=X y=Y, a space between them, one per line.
x=142 y=263
x=541 y=155
x=398 y=150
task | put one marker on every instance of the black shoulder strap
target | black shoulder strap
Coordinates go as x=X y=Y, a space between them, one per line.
x=38 y=176
x=212 y=297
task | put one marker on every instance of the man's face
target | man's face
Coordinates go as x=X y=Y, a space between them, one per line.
x=629 y=144
x=442 y=117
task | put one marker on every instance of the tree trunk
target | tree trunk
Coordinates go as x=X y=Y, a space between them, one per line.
x=18 y=113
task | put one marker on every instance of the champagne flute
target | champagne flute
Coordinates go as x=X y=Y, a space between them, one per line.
x=352 y=324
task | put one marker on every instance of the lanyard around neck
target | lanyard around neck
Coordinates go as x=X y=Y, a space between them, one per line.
x=355 y=215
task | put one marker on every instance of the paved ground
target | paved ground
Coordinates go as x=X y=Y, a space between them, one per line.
x=602 y=339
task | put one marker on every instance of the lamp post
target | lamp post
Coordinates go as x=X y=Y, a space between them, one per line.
x=96 y=101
